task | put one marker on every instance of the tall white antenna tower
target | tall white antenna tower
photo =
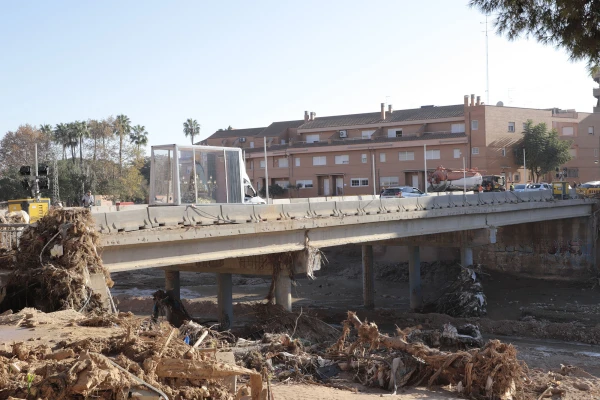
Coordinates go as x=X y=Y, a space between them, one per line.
x=487 y=63
x=55 y=190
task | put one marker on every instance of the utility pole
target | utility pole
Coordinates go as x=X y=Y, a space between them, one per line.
x=36 y=187
x=487 y=63
x=524 y=168
x=266 y=169
x=425 y=162
x=55 y=188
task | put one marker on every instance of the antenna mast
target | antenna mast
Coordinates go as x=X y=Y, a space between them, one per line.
x=487 y=62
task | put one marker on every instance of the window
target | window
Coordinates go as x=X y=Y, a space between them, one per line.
x=251 y=145
x=251 y=164
x=262 y=164
x=572 y=173
x=320 y=160
x=503 y=152
x=456 y=153
x=474 y=125
x=304 y=183
x=573 y=153
x=475 y=150
x=312 y=138
x=406 y=155
x=381 y=157
x=517 y=178
x=283 y=184
x=282 y=162
x=457 y=128
x=297 y=161
x=367 y=134
x=591 y=130
x=357 y=182
x=343 y=159
x=282 y=141
x=567 y=131
x=389 y=181
x=433 y=155
x=394 y=132
x=363 y=158
x=511 y=126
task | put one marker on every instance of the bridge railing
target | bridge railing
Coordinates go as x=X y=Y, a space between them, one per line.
x=150 y=217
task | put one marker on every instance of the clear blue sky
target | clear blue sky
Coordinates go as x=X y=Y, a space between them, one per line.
x=248 y=63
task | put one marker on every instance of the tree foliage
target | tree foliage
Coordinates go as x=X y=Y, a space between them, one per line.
x=109 y=166
x=573 y=25
x=191 y=128
x=274 y=191
x=544 y=150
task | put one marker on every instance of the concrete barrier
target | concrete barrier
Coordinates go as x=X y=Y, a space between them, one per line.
x=444 y=201
x=268 y=212
x=368 y=197
x=317 y=199
x=390 y=206
x=471 y=200
x=486 y=198
x=322 y=208
x=237 y=213
x=128 y=220
x=500 y=197
x=204 y=214
x=281 y=201
x=348 y=207
x=427 y=202
x=370 y=207
x=167 y=215
x=100 y=222
x=410 y=204
x=537 y=195
x=547 y=195
x=295 y=211
x=303 y=200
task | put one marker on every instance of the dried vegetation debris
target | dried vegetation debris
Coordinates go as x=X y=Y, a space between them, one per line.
x=135 y=357
x=52 y=266
x=463 y=296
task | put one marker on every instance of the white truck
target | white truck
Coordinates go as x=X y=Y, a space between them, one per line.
x=186 y=174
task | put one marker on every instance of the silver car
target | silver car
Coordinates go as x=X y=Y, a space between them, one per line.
x=401 y=191
x=521 y=187
x=534 y=187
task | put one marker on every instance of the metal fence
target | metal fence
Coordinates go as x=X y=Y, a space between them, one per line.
x=10 y=234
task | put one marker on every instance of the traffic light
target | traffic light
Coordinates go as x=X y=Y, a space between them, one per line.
x=43 y=183
x=25 y=184
x=25 y=170
x=42 y=170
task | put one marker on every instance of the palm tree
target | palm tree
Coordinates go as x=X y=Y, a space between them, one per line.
x=191 y=128
x=72 y=139
x=61 y=136
x=81 y=131
x=123 y=127
x=139 y=136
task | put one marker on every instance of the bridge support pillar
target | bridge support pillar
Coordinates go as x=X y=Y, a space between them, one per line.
x=414 y=277
x=283 y=290
x=225 y=300
x=466 y=256
x=368 y=277
x=172 y=286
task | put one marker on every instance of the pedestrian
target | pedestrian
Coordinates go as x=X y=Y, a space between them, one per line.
x=512 y=187
x=479 y=188
x=88 y=199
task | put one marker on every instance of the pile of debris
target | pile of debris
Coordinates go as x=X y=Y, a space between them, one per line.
x=140 y=359
x=491 y=372
x=55 y=260
x=463 y=297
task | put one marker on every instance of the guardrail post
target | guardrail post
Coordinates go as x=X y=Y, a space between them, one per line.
x=173 y=289
x=225 y=300
x=414 y=277
x=466 y=256
x=368 y=277
x=283 y=290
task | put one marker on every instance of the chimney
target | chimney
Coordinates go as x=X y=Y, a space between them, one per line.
x=478 y=100
x=390 y=110
x=466 y=100
x=305 y=116
x=472 y=100
x=312 y=115
x=383 y=111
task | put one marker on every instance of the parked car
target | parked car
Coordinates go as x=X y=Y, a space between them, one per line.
x=521 y=187
x=533 y=187
x=401 y=191
x=254 y=200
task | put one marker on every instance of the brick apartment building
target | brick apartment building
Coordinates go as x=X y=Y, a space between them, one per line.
x=362 y=153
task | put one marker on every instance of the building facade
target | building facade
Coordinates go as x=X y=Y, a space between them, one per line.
x=362 y=153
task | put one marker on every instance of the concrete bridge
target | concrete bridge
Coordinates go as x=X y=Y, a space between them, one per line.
x=252 y=239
